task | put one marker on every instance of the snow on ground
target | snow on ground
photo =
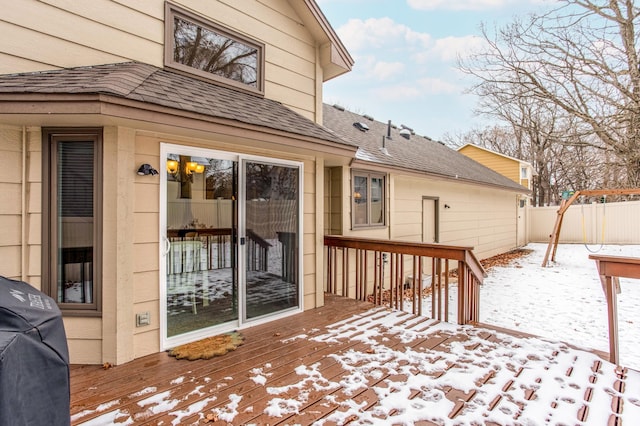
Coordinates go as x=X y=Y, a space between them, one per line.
x=563 y=301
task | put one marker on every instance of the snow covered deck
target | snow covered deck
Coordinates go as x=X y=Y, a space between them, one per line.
x=350 y=362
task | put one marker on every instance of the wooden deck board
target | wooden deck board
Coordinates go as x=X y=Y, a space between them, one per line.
x=390 y=347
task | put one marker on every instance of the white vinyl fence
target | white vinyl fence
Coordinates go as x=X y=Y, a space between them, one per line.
x=619 y=223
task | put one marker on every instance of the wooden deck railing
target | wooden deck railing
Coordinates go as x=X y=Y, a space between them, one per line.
x=398 y=274
x=610 y=269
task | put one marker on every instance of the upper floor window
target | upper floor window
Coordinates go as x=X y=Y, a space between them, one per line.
x=524 y=173
x=368 y=199
x=197 y=46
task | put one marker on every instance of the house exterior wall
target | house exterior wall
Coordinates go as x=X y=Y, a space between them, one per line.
x=131 y=215
x=21 y=210
x=11 y=208
x=498 y=163
x=78 y=33
x=146 y=217
x=53 y=34
x=478 y=216
x=508 y=167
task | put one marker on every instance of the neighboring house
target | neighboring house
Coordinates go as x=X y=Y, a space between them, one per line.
x=402 y=186
x=517 y=170
x=162 y=163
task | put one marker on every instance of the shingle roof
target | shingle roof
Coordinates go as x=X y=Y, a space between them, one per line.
x=146 y=83
x=418 y=154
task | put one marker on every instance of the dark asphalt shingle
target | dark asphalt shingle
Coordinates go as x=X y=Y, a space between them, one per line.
x=146 y=83
x=417 y=154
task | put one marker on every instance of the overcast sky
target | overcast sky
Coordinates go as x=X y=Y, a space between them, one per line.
x=405 y=58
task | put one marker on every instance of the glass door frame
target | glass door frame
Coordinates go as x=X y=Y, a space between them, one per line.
x=242 y=234
x=242 y=322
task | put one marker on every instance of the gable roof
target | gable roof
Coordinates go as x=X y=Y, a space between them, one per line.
x=334 y=57
x=417 y=154
x=148 y=84
x=494 y=152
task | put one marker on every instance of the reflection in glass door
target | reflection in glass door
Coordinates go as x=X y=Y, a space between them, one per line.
x=231 y=241
x=200 y=254
x=272 y=218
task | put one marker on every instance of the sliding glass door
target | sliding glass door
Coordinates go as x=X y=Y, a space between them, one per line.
x=272 y=222
x=200 y=230
x=230 y=232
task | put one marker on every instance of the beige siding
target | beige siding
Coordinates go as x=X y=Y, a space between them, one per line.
x=131 y=249
x=118 y=256
x=480 y=217
x=504 y=166
x=11 y=209
x=309 y=229
x=145 y=243
x=20 y=245
x=51 y=34
x=109 y=31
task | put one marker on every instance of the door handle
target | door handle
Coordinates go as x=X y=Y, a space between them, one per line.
x=167 y=245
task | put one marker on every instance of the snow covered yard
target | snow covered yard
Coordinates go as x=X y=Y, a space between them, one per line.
x=563 y=301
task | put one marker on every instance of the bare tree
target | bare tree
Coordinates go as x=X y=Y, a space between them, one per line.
x=576 y=71
x=215 y=53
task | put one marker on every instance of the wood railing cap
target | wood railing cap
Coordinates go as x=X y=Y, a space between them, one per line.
x=616 y=259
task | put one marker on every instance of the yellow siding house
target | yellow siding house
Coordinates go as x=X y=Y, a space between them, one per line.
x=517 y=170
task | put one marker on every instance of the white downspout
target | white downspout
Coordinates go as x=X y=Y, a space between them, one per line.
x=23 y=231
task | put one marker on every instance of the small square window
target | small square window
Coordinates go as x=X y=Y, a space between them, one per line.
x=200 y=47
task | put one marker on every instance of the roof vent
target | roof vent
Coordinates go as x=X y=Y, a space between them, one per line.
x=405 y=133
x=402 y=126
x=368 y=117
x=361 y=126
x=338 y=107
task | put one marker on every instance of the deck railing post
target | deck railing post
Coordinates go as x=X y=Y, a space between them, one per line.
x=345 y=272
x=435 y=278
x=330 y=269
x=462 y=293
x=446 y=289
x=610 y=269
x=400 y=299
x=420 y=279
